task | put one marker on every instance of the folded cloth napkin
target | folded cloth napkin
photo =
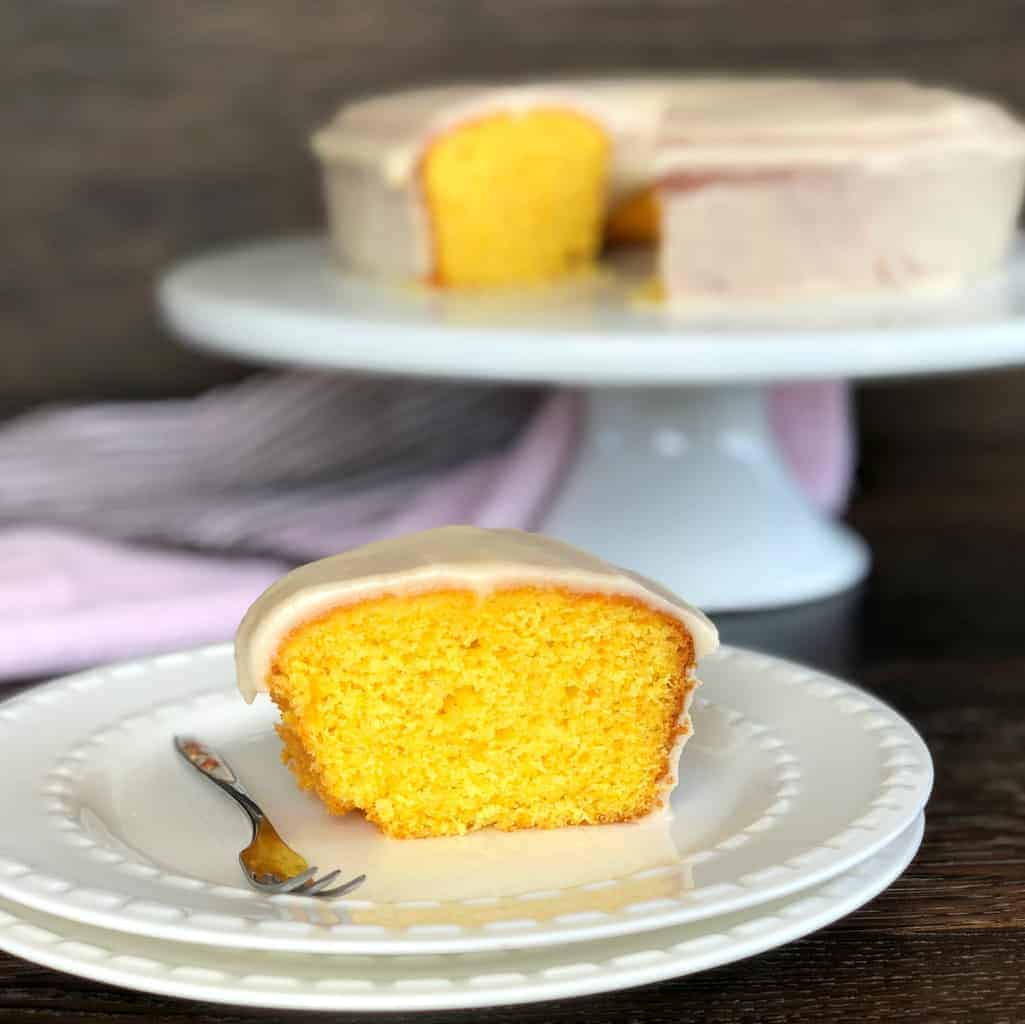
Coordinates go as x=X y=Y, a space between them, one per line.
x=259 y=466
x=201 y=503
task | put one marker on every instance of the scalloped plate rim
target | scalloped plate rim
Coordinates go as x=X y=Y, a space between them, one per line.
x=50 y=893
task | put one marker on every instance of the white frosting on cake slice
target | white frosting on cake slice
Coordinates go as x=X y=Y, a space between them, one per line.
x=463 y=557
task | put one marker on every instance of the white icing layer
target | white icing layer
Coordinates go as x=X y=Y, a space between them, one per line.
x=676 y=124
x=463 y=557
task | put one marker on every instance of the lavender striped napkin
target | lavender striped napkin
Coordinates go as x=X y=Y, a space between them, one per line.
x=259 y=466
x=134 y=527
x=248 y=480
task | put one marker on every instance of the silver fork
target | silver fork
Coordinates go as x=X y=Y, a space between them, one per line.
x=268 y=862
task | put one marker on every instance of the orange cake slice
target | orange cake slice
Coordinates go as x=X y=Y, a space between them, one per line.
x=463 y=678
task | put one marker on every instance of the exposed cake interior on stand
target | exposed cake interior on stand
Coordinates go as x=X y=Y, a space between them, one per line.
x=751 y=189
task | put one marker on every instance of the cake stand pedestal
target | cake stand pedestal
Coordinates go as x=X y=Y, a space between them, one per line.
x=688 y=486
x=678 y=475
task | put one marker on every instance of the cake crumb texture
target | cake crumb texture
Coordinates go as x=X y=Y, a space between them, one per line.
x=444 y=712
x=516 y=198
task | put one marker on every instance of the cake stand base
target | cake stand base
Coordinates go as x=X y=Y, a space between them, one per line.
x=688 y=486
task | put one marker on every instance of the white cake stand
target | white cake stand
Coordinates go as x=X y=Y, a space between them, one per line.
x=678 y=475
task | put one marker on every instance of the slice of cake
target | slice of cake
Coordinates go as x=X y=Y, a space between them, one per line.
x=464 y=678
x=751 y=190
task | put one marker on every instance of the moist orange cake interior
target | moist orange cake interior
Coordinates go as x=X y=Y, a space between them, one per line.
x=444 y=712
x=516 y=198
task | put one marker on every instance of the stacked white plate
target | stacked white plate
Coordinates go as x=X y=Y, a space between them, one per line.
x=801 y=799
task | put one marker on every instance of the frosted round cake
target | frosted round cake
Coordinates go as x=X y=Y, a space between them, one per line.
x=750 y=189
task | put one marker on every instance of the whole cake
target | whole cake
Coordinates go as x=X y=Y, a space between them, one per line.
x=752 y=189
x=463 y=678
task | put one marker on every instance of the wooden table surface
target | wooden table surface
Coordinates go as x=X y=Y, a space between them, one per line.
x=937 y=632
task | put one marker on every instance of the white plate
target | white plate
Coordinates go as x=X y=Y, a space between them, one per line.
x=791 y=778
x=295 y=981
x=284 y=301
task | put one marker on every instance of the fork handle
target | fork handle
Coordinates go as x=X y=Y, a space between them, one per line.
x=208 y=762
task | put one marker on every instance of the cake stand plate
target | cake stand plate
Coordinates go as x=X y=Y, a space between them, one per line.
x=678 y=475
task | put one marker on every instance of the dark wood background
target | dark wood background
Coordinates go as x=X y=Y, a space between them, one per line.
x=139 y=131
